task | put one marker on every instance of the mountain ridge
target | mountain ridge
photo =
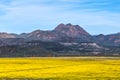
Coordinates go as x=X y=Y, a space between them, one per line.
x=64 y=40
x=15 y=34
x=66 y=33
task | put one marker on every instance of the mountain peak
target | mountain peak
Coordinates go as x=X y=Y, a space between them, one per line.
x=61 y=24
x=70 y=30
x=69 y=24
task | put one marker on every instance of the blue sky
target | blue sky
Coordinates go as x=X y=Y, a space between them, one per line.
x=95 y=16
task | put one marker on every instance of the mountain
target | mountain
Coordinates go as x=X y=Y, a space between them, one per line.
x=70 y=30
x=108 y=40
x=62 y=32
x=64 y=40
x=41 y=35
x=72 y=33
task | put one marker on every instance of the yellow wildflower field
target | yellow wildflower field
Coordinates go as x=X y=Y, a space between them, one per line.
x=60 y=68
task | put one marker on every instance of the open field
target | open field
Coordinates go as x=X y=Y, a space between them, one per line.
x=62 y=68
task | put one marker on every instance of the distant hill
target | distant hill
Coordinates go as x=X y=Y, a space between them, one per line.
x=108 y=40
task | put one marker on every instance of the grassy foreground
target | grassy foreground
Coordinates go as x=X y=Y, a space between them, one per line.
x=76 y=68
